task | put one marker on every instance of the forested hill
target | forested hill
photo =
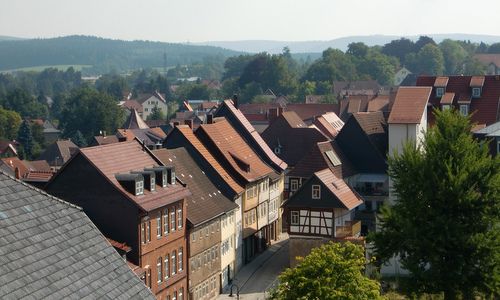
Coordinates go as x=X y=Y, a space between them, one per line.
x=102 y=54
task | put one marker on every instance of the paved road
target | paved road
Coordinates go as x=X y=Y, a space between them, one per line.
x=256 y=277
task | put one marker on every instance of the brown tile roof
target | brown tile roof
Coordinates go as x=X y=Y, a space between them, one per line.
x=374 y=126
x=441 y=81
x=15 y=162
x=205 y=105
x=293 y=119
x=477 y=81
x=104 y=140
x=380 y=103
x=484 y=110
x=206 y=201
x=132 y=104
x=38 y=165
x=329 y=124
x=59 y=152
x=447 y=98
x=409 y=105
x=130 y=156
x=122 y=246
x=317 y=160
x=488 y=59
x=309 y=111
x=339 y=188
x=38 y=176
x=233 y=148
x=134 y=121
x=255 y=135
x=203 y=151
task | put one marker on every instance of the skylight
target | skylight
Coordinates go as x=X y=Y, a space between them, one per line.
x=333 y=158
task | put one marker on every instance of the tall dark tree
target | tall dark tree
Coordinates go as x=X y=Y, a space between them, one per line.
x=445 y=223
x=25 y=138
x=422 y=41
x=79 y=139
x=399 y=48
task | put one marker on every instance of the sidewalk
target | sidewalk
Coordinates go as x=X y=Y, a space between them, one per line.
x=254 y=278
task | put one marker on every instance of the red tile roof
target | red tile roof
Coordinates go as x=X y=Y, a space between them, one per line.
x=131 y=156
x=441 y=81
x=309 y=111
x=484 y=110
x=447 y=98
x=233 y=148
x=255 y=135
x=477 y=81
x=380 y=103
x=134 y=121
x=203 y=151
x=132 y=104
x=122 y=246
x=293 y=119
x=339 y=188
x=329 y=124
x=409 y=105
x=488 y=59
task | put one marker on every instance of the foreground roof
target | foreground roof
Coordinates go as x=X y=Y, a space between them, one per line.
x=207 y=201
x=50 y=249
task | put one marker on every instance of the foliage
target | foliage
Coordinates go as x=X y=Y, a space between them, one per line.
x=26 y=105
x=194 y=91
x=25 y=138
x=332 y=271
x=79 y=139
x=10 y=121
x=429 y=60
x=156 y=114
x=90 y=111
x=454 y=56
x=112 y=84
x=445 y=224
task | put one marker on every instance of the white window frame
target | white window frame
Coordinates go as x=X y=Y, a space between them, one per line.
x=166 y=266
x=165 y=222
x=294 y=217
x=139 y=188
x=152 y=183
x=464 y=109
x=476 y=92
x=316 y=191
x=158 y=226
x=179 y=218
x=159 y=270
x=179 y=258
x=446 y=106
x=174 y=262
x=294 y=182
x=439 y=92
x=172 y=219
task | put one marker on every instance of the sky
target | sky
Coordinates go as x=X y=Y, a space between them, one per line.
x=231 y=20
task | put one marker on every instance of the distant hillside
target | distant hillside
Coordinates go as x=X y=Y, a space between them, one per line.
x=9 y=38
x=255 y=46
x=102 y=54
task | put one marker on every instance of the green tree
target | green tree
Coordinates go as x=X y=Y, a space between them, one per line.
x=25 y=138
x=332 y=271
x=399 y=48
x=359 y=49
x=430 y=60
x=9 y=123
x=79 y=139
x=445 y=223
x=454 y=56
x=156 y=114
x=90 y=111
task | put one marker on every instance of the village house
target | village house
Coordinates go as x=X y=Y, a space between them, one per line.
x=58 y=153
x=491 y=61
x=321 y=210
x=477 y=96
x=211 y=227
x=149 y=101
x=133 y=199
x=51 y=250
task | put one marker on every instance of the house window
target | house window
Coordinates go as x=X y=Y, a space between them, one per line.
x=295 y=218
x=174 y=262
x=152 y=183
x=179 y=217
x=174 y=297
x=294 y=185
x=277 y=150
x=180 y=259
x=164 y=178
x=316 y=191
x=139 y=187
x=439 y=92
x=145 y=109
x=181 y=294
x=476 y=92
x=498 y=147
x=464 y=109
x=149 y=277
x=143 y=232
x=159 y=270
x=165 y=222
x=172 y=219
x=158 y=226
x=166 y=265
x=446 y=106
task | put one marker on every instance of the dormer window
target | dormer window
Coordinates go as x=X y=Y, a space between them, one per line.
x=149 y=179
x=139 y=187
x=171 y=175
x=476 y=92
x=160 y=175
x=277 y=150
x=439 y=92
x=164 y=180
x=316 y=191
x=464 y=109
x=446 y=106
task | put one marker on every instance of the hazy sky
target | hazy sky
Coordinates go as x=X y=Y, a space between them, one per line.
x=217 y=20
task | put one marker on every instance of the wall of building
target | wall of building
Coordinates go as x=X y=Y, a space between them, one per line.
x=150 y=103
x=228 y=247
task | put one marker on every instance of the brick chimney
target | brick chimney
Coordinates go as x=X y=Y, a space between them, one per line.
x=235 y=100
x=210 y=119
x=272 y=114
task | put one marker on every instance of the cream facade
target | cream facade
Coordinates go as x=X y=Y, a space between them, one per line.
x=228 y=247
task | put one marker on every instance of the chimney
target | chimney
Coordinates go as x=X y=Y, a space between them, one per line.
x=280 y=111
x=176 y=123
x=17 y=173
x=273 y=114
x=235 y=100
x=189 y=122
x=210 y=119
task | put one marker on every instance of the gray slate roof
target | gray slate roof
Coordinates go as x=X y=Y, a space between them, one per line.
x=50 y=249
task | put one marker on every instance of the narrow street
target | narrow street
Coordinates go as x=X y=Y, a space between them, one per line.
x=261 y=274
